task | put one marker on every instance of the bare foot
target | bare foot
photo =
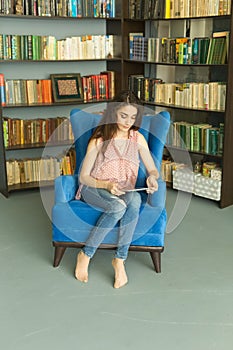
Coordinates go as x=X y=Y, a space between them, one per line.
x=81 y=270
x=120 y=274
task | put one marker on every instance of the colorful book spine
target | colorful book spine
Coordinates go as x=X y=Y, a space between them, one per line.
x=5 y=132
x=2 y=90
x=74 y=8
x=167 y=9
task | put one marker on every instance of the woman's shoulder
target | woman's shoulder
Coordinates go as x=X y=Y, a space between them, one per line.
x=95 y=142
x=138 y=135
x=141 y=141
x=135 y=133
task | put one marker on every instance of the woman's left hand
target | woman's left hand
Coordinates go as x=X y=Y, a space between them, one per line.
x=152 y=184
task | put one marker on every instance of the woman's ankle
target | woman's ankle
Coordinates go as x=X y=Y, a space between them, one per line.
x=81 y=270
x=121 y=278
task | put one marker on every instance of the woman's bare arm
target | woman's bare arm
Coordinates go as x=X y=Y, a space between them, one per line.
x=146 y=156
x=85 y=177
x=149 y=163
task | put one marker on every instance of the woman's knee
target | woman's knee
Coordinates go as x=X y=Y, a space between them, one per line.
x=117 y=206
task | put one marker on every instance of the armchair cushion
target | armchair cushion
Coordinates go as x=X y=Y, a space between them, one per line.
x=66 y=188
x=73 y=221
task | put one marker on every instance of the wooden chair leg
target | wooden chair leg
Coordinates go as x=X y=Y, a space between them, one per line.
x=58 y=254
x=156 y=258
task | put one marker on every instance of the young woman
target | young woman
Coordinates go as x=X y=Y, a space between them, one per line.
x=109 y=170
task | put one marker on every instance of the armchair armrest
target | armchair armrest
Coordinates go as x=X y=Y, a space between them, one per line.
x=65 y=187
x=158 y=198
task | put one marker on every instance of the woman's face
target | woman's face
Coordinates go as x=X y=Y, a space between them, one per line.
x=126 y=116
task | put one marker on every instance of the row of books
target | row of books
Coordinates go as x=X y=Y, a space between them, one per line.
x=94 y=87
x=47 y=47
x=149 y=9
x=28 y=170
x=17 y=131
x=209 y=96
x=167 y=167
x=28 y=91
x=141 y=9
x=144 y=87
x=200 y=137
x=196 y=8
x=201 y=50
x=99 y=86
x=73 y=8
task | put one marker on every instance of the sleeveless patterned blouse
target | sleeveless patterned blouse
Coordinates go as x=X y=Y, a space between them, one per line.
x=120 y=166
x=115 y=165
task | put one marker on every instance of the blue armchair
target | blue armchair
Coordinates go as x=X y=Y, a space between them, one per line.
x=72 y=220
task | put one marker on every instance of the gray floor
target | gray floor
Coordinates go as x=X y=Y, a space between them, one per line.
x=188 y=306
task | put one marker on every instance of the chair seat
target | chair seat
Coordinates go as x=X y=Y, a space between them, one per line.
x=75 y=219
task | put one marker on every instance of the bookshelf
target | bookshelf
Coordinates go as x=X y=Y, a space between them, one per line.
x=151 y=24
x=49 y=19
x=186 y=23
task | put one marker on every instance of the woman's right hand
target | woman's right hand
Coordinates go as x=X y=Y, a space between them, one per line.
x=114 y=189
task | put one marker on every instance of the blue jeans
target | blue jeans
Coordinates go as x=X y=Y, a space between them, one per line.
x=123 y=209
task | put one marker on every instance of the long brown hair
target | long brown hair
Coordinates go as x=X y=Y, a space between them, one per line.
x=108 y=123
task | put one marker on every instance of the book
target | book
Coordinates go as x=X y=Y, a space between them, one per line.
x=132 y=37
x=110 y=82
x=204 y=46
x=136 y=189
x=5 y=132
x=74 y=8
x=2 y=90
x=225 y=49
x=167 y=9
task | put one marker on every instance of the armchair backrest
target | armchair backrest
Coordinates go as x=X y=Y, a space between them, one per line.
x=153 y=127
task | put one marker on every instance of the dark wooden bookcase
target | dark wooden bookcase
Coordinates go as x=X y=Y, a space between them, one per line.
x=214 y=71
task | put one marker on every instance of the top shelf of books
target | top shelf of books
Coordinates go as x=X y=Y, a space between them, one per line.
x=177 y=9
x=60 y=9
